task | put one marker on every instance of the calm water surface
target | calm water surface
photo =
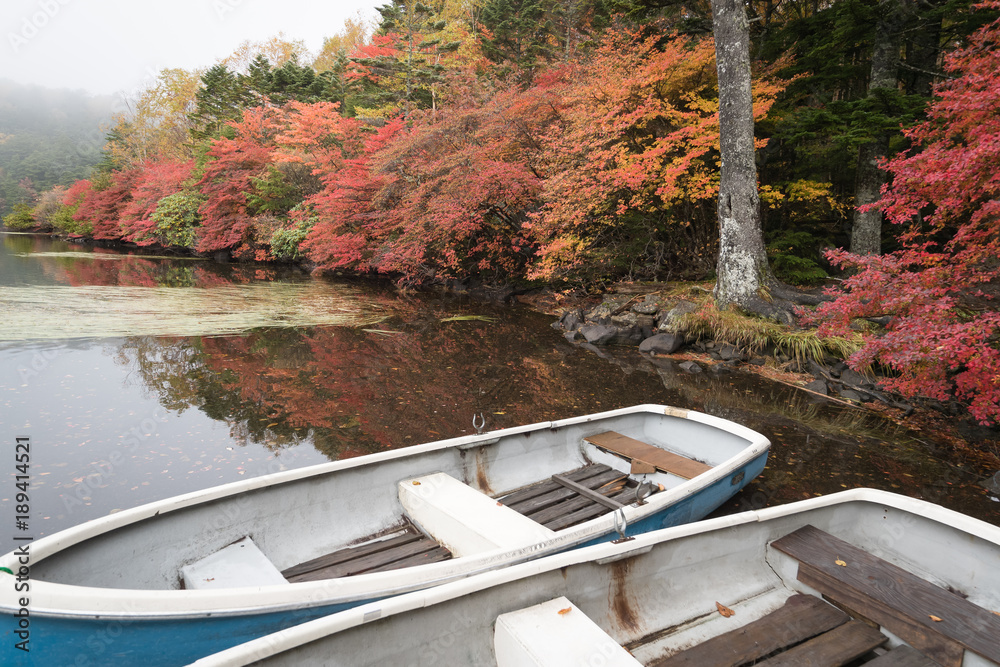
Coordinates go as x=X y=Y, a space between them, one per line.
x=141 y=377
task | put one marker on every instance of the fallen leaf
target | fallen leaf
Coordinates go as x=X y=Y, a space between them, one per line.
x=840 y=563
x=566 y=610
x=934 y=618
x=724 y=610
x=499 y=504
x=416 y=483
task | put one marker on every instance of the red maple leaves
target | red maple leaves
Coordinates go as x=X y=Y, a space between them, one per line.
x=939 y=289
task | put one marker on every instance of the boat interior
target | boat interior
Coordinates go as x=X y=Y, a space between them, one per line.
x=869 y=612
x=445 y=518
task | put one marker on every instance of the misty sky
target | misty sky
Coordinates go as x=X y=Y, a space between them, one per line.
x=118 y=46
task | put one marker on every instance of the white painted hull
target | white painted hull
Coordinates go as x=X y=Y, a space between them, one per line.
x=662 y=587
x=123 y=569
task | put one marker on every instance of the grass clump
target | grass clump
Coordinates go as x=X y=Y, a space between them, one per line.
x=754 y=334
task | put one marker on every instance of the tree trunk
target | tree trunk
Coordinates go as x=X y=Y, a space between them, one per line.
x=866 y=233
x=743 y=272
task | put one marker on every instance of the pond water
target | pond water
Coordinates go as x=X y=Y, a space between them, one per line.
x=138 y=377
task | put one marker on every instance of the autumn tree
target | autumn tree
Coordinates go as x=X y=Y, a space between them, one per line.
x=155 y=181
x=156 y=124
x=629 y=162
x=938 y=292
x=408 y=62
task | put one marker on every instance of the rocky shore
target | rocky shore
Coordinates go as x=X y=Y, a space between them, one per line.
x=657 y=323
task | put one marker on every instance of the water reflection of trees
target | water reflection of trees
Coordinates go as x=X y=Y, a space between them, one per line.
x=352 y=391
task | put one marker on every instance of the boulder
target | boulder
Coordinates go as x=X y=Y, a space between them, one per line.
x=572 y=335
x=731 y=353
x=819 y=386
x=648 y=306
x=850 y=395
x=854 y=379
x=571 y=319
x=690 y=367
x=599 y=334
x=664 y=343
x=671 y=320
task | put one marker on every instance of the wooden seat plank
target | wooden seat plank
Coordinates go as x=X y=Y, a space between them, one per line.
x=902 y=656
x=636 y=450
x=802 y=617
x=835 y=648
x=898 y=600
x=350 y=553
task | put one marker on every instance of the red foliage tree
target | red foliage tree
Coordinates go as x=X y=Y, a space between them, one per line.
x=228 y=178
x=156 y=180
x=348 y=226
x=460 y=184
x=939 y=287
x=105 y=201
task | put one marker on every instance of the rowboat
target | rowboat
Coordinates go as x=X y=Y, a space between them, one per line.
x=178 y=579
x=861 y=577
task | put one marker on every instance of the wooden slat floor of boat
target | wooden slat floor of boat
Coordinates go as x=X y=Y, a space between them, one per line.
x=805 y=631
x=410 y=548
x=802 y=617
x=932 y=619
x=556 y=506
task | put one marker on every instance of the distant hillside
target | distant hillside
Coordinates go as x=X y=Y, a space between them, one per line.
x=51 y=136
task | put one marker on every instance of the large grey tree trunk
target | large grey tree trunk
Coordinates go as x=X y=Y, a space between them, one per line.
x=743 y=272
x=866 y=233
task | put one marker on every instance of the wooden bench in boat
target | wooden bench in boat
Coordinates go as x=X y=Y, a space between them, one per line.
x=935 y=621
x=805 y=631
x=405 y=549
x=555 y=634
x=646 y=457
x=548 y=503
x=558 y=502
x=239 y=564
x=463 y=519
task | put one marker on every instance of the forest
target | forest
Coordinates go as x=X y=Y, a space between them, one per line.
x=575 y=143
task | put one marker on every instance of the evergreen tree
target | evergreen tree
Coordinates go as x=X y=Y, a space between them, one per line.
x=221 y=99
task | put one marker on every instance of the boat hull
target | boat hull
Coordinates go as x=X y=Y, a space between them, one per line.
x=668 y=591
x=131 y=632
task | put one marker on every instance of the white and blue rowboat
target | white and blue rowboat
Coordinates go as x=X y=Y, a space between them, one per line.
x=175 y=580
x=861 y=577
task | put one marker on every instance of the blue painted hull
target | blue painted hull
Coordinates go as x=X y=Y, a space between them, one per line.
x=148 y=642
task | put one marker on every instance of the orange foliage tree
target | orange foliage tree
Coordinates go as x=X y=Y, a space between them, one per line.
x=633 y=164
